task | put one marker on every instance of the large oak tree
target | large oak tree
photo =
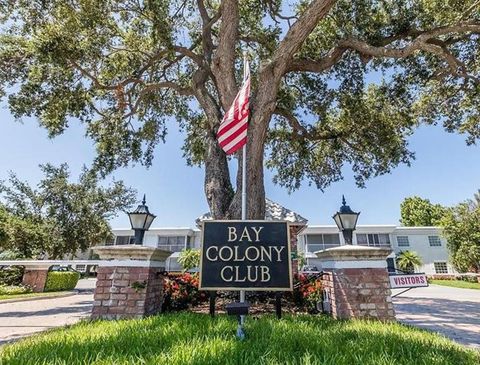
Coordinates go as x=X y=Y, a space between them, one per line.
x=336 y=83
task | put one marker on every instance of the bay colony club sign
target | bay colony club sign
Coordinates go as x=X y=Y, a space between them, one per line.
x=245 y=255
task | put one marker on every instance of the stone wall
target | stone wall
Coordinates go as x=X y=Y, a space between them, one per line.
x=127 y=292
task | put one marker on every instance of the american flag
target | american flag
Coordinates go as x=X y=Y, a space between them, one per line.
x=232 y=133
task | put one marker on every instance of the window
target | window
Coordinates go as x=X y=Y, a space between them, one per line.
x=317 y=242
x=373 y=239
x=171 y=243
x=441 y=267
x=124 y=240
x=402 y=241
x=434 y=241
x=362 y=239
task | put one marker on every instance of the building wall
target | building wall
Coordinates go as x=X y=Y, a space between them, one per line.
x=419 y=243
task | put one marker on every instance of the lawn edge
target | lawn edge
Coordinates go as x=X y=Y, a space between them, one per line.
x=40 y=297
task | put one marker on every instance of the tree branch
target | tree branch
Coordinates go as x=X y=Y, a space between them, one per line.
x=301 y=132
x=223 y=66
x=207 y=24
x=185 y=91
x=416 y=45
x=323 y=64
x=299 y=32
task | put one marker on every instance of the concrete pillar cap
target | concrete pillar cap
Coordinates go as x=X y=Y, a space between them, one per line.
x=353 y=256
x=131 y=252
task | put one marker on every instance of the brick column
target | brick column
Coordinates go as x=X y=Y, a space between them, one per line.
x=129 y=281
x=356 y=282
x=35 y=278
x=294 y=230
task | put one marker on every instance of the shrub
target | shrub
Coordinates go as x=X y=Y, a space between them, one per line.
x=307 y=291
x=14 y=289
x=11 y=275
x=189 y=259
x=181 y=292
x=469 y=278
x=61 y=280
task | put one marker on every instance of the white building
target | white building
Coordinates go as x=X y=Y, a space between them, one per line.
x=427 y=242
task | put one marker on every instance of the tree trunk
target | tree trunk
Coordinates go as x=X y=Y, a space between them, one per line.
x=255 y=188
x=218 y=187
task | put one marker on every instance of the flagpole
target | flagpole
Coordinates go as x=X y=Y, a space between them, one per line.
x=244 y=194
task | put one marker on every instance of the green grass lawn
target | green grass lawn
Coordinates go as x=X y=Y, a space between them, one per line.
x=188 y=338
x=31 y=295
x=456 y=284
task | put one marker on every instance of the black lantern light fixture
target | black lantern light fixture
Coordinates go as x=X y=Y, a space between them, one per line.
x=141 y=219
x=346 y=220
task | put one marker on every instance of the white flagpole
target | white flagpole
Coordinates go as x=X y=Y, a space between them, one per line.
x=244 y=191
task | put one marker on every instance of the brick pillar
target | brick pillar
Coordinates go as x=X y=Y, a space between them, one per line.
x=294 y=230
x=356 y=282
x=129 y=282
x=35 y=278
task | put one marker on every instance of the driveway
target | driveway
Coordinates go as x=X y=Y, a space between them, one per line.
x=20 y=319
x=452 y=312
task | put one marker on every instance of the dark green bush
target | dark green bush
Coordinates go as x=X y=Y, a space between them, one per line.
x=11 y=275
x=61 y=280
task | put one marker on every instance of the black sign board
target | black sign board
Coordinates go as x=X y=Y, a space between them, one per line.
x=245 y=255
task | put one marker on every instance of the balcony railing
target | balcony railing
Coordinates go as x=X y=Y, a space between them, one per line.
x=383 y=244
x=173 y=248
x=318 y=247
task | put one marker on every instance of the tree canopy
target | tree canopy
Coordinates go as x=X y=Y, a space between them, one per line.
x=416 y=211
x=461 y=228
x=59 y=217
x=336 y=84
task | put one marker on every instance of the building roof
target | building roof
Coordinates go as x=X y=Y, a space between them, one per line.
x=273 y=212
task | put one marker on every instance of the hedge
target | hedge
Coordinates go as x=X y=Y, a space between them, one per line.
x=11 y=275
x=61 y=280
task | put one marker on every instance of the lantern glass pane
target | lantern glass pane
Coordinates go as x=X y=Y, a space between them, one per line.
x=338 y=221
x=137 y=220
x=149 y=221
x=349 y=220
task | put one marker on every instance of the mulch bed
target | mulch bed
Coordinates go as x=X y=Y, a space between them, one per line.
x=256 y=308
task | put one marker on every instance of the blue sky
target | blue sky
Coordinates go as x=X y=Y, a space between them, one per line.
x=446 y=171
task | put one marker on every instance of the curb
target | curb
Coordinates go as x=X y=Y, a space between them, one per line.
x=64 y=295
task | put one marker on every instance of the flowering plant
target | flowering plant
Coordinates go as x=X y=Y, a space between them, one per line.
x=307 y=290
x=181 y=291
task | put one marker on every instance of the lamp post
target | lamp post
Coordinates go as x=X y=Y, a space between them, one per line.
x=141 y=219
x=346 y=220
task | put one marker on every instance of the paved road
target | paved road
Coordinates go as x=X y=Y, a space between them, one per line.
x=452 y=312
x=20 y=319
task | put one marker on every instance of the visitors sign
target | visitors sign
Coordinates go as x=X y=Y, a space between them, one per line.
x=408 y=281
x=245 y=255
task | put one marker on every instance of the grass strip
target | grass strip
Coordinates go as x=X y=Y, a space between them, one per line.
x=188 y=338
x=32 y=295
x=456 y=284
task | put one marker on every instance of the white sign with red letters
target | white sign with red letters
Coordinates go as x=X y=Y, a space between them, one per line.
x=408 y=281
